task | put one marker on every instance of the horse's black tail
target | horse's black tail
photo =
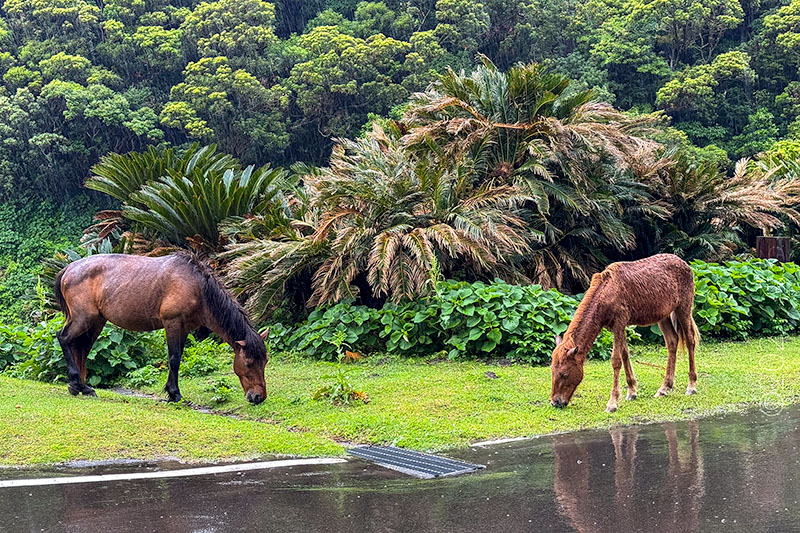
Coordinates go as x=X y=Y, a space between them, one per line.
x=62 y=303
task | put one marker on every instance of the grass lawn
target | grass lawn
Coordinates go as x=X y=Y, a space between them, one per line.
x=424 y=405
x=41 y=423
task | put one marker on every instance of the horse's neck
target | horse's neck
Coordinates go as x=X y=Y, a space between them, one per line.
x=211 y=324
x=586 y=326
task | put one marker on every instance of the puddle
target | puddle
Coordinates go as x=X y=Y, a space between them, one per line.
x=733 y=472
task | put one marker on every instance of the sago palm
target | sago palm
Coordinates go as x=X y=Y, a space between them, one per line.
x=188 y=207
x=122 y=175
x=385 y=217
x=572 y=157
x=708 y=210
x=172 y=199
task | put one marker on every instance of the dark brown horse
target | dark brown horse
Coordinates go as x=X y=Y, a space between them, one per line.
x=656 y=290
x=178 y=293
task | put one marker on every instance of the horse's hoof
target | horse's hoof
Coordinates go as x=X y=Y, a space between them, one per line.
x=73 y=390
x=174 y=399
x=611 y=409
x=661 y=392
x=630 y=396
x=88 y=391
x=691 y=391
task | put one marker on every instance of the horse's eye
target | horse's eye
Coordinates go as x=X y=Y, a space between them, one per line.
x=565 y=375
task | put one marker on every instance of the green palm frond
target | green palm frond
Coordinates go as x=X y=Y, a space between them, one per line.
x=193 y=203
x=121 y=175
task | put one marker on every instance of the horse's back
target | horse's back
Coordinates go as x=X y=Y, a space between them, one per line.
x=650 y=289
x=657 y=269
x=130 y=291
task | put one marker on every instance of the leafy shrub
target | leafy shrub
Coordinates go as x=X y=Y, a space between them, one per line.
x=204 y=358
x=146 y=376
x=738 y=299
x=34 y=352
x=357 y=325
x=462 y=319
x=517 y=321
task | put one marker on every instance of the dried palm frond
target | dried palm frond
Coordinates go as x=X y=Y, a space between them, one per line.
x=568 y=158
x=707 y=208
x=385 y=217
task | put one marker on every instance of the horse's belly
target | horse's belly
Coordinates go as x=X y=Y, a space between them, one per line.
x=649 y=318
x=135 y=324
x=650 y=309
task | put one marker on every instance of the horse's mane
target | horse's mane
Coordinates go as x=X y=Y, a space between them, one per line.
x=589 y=298
x=227 y=312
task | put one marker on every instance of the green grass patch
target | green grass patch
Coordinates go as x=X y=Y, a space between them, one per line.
x=424 y=405
x=434 y=405
x=42 y=423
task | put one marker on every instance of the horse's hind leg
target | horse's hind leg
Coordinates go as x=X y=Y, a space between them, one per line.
x=671 y=340
x=73 y=373
x=70 y=340
x=690 y=333
x=176 y=339
x=630 y=377
x=620 y=345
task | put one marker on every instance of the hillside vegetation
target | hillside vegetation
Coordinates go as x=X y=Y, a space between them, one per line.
x=278 y=81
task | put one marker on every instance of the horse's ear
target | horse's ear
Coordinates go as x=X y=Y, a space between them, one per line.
x=241 y=343
x=558 y=340
x=571 y=351
x=265 y=334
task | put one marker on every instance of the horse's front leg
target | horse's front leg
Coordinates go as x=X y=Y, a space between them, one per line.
x=616 y=364
x=176 y=339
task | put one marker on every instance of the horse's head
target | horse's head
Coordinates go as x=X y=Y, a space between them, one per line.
x=567 y=372
x=250 y=358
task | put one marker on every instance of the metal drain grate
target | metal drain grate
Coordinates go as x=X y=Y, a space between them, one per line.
x=415 y=464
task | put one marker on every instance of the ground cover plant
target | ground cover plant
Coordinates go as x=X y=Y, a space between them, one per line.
x=734 y=300
x=33 y=352
x=461 y=320
x=738 y=299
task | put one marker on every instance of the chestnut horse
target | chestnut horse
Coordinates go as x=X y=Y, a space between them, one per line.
x=656 y=290
x=178 y=293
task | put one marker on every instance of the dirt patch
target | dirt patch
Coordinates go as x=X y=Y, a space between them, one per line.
x=199 y=408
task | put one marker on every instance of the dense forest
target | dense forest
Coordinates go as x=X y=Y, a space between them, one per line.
x=276 y=82
x=648 y=106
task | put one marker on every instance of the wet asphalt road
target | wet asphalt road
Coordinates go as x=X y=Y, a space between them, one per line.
x=733 y=473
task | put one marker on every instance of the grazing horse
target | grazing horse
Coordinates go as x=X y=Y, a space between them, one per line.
x=656 y=290
x=178 y=293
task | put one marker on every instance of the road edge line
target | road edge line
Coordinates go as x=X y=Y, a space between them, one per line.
x=182 y=472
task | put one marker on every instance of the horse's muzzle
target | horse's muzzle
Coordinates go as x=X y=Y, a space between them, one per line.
x=558 y=403
x=255 y=399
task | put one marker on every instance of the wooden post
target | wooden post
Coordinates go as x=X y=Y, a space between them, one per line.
x=773 y=248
